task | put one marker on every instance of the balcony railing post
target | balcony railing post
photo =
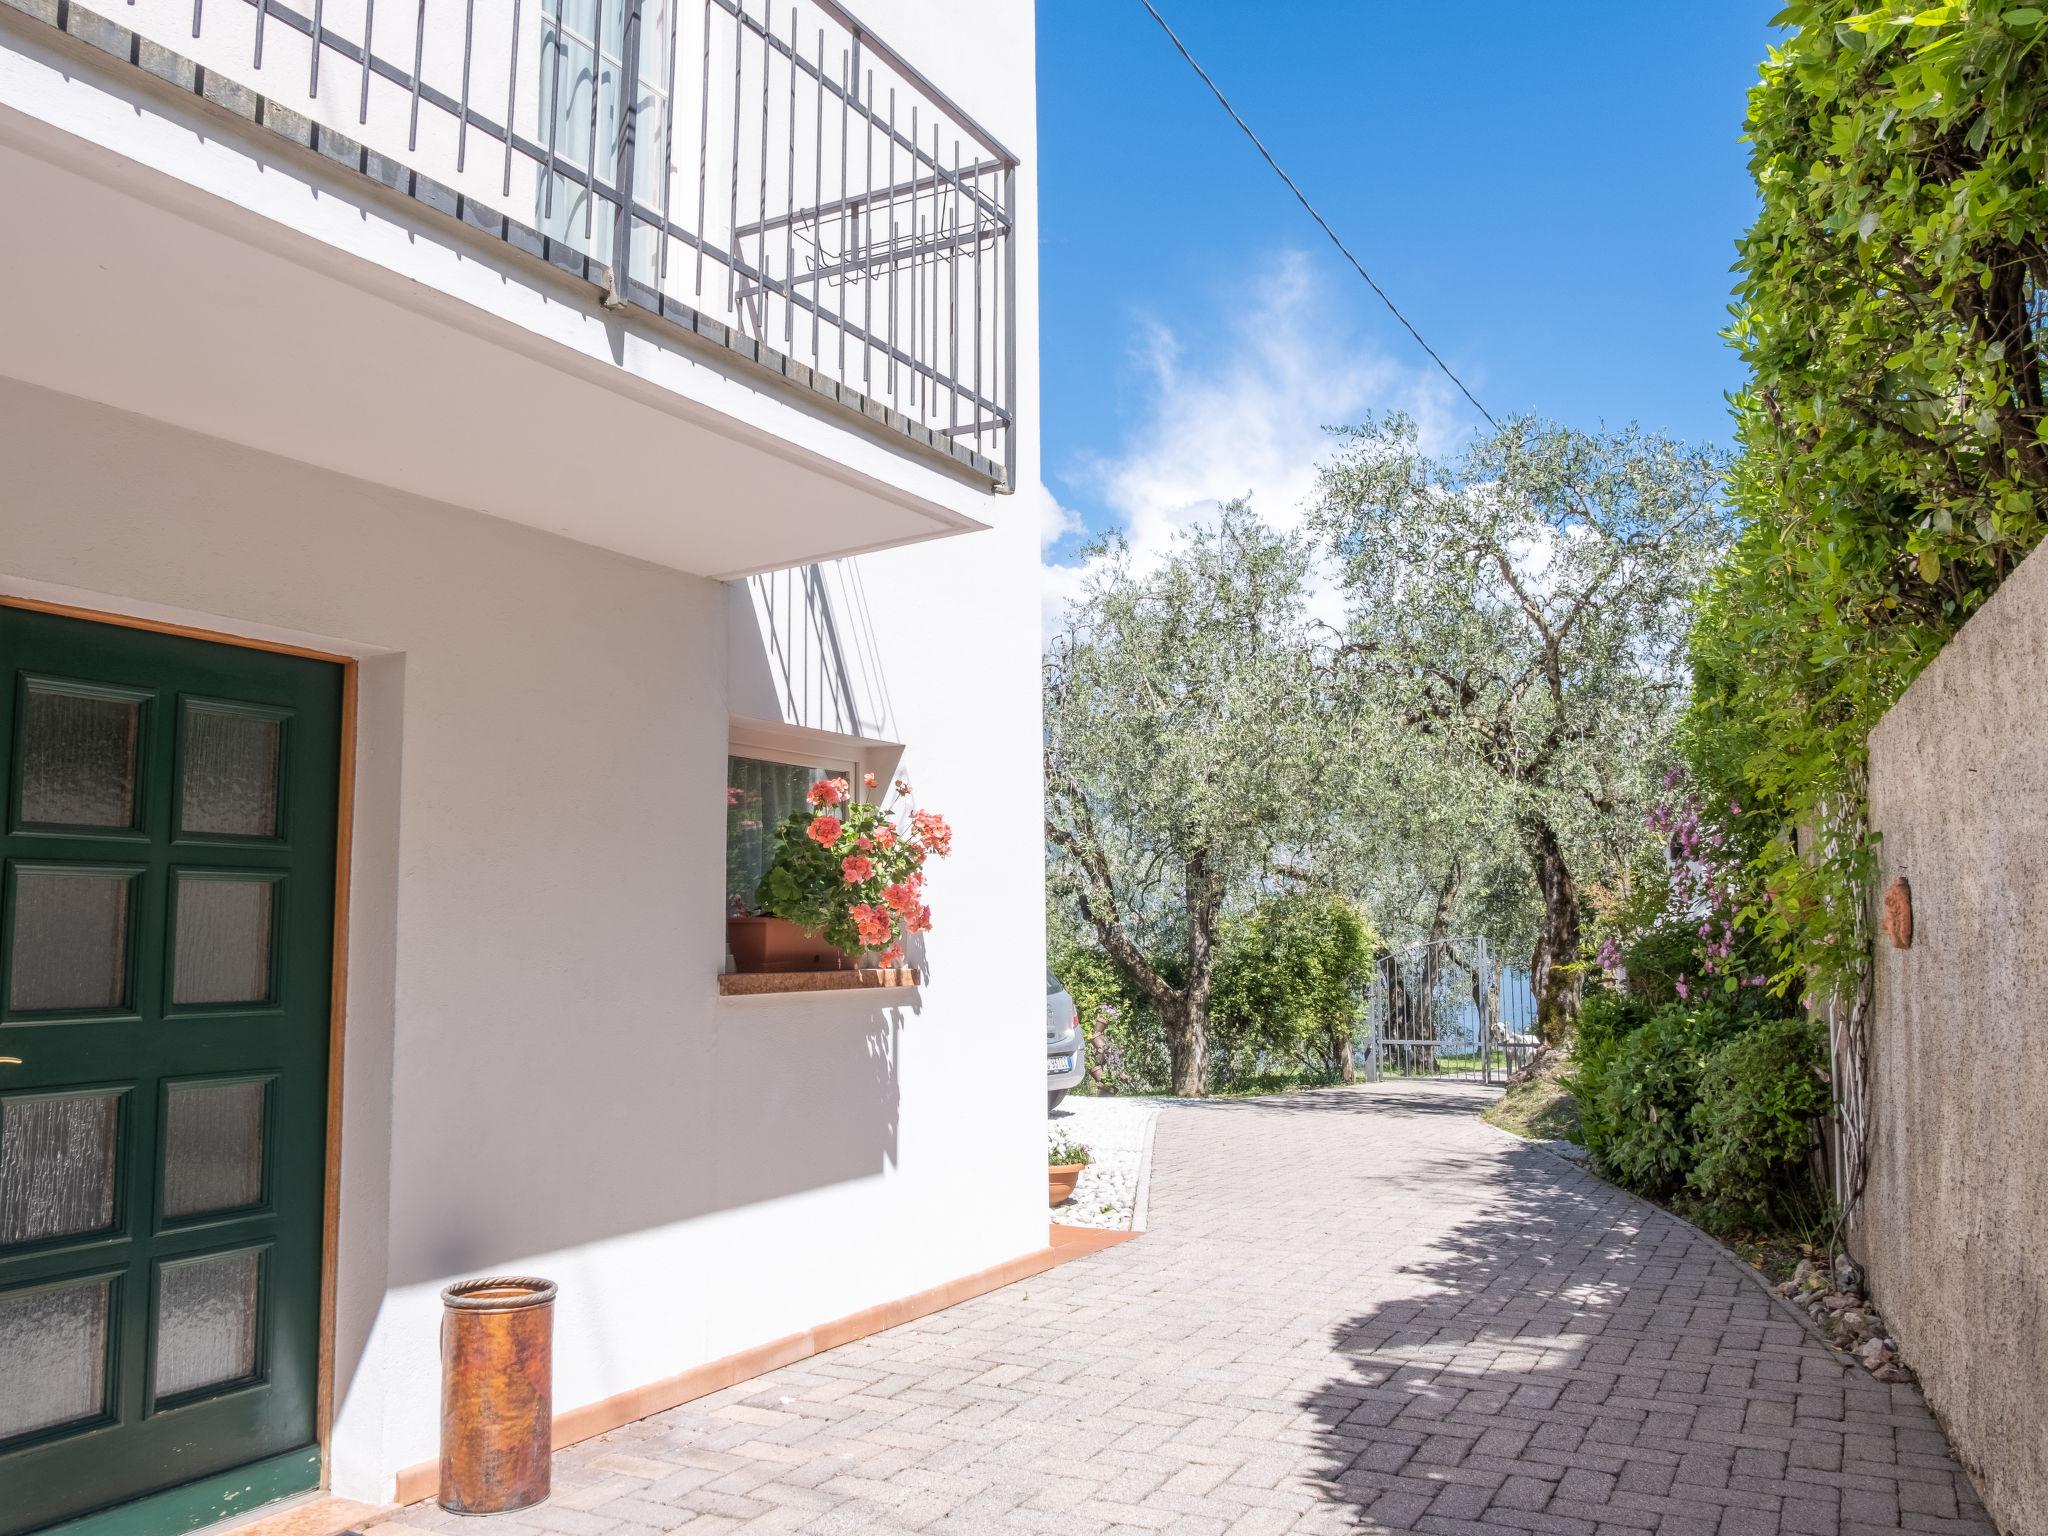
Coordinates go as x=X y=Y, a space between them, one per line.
x=621 y=267
x=1010 y=244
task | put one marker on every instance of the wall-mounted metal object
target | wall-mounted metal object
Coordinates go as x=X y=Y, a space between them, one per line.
x=1898 y=914
x=497 y=1394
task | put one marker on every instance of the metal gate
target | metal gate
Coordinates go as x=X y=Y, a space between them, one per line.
x=1449 y=1009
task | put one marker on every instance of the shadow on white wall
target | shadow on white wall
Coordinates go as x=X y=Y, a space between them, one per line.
x=802 y=652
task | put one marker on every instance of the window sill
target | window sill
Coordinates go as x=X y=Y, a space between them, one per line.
x=777 y=983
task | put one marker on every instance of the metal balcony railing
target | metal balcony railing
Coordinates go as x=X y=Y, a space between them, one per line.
x=766 y=173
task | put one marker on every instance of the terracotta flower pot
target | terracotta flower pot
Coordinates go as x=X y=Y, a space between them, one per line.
x=764 y=944
x=1060 y=1180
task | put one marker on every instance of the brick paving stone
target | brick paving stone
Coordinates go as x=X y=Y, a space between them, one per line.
x=1354 y=1310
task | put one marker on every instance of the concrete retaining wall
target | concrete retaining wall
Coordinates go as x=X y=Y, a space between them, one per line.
x=1954 y=1221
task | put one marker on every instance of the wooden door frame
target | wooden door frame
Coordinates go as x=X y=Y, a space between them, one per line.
x=337 y=1015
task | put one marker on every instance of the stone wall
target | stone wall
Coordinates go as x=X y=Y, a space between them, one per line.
x=1954 y=1220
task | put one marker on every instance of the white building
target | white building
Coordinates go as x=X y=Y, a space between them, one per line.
x=387 y=575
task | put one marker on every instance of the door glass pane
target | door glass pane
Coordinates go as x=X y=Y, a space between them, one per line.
x=223 y=948
x=213 y=1147
x=53 y=1354
x=206 y=1321
x=70 y=940
x=78 y=758
x=230 y=773
x=57 y=1165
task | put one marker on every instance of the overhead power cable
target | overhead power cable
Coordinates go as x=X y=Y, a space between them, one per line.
x=1302 y=198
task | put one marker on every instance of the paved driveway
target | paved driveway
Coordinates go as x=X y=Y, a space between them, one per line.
x=1357 y=1310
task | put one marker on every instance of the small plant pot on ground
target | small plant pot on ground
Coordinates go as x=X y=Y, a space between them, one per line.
x=764 y=945
x=1064 y=1158
x=1060 y=1180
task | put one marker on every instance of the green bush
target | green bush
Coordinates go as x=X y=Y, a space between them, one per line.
x=1658 y=956
x=1287 y=998
x=1605 y=1018
x=1126 y=1049
x=1637 y=1094
x=1761 y=1096
x=1893 y=474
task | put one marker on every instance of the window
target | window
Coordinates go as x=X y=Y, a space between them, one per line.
x=582 y=65
x=759 y=793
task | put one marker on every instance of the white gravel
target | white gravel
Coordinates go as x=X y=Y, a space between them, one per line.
x=1117 y=1132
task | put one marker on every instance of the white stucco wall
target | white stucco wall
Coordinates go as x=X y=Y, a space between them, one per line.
x=539 y=1074
x=291 y=409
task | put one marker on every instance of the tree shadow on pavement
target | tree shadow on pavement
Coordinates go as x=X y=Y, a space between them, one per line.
x=1567 y=1359
x=1385 y=1100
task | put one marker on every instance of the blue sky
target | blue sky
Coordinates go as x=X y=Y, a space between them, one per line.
x=1551 y=193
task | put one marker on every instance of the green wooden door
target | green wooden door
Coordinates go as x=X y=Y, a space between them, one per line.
x=166 y=942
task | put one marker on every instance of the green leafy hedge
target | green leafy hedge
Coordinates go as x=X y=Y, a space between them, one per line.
x=1895 y=457
x=1709 y=1109
x=1637 y=1095
x=1286 y=1006
x=1126 y=1050
x=1761 y=1096
x=1289 y=989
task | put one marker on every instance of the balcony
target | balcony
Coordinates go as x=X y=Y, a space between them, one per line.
x=760 y=188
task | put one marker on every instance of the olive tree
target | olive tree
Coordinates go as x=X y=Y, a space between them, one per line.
x=1187 y=750
x=1521 y=609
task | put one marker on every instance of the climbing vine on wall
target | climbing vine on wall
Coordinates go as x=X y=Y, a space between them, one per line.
x=1895 y=460
x=1894 y=453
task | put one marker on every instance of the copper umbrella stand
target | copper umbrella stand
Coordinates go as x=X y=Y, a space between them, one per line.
x=497 y=1393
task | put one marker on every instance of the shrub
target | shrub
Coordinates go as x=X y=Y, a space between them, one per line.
x=1893 y=472
x=1126 y=1049
x=1658 y=957
x=1606 y=1017
x=1606 y=1020
x=1636 y=1098
x=1760 y=1097
x=1288 y=988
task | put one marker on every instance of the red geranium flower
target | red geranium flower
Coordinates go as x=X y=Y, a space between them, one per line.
x=930 y=828
x=873 y=924
x=827 y=792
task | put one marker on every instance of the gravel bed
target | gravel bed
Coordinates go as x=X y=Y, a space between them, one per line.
x=1114 y=1130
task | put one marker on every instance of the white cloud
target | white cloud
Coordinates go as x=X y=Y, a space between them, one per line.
x=1247 y=419
x=1055 y=521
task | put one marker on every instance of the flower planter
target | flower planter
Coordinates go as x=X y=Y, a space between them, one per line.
x=845 y=866
x=1060 y=1180
x=762 y=945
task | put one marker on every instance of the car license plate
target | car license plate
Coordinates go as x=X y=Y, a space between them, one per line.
x=1056 y=1064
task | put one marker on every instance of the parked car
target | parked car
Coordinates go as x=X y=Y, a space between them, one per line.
x=1064 y=1066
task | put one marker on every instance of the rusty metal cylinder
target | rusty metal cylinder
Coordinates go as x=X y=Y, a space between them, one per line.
x=497 y=1393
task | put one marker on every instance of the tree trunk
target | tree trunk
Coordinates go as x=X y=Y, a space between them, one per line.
x=1186 y=1018
x=1556 y=988
x=1187 y=1046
